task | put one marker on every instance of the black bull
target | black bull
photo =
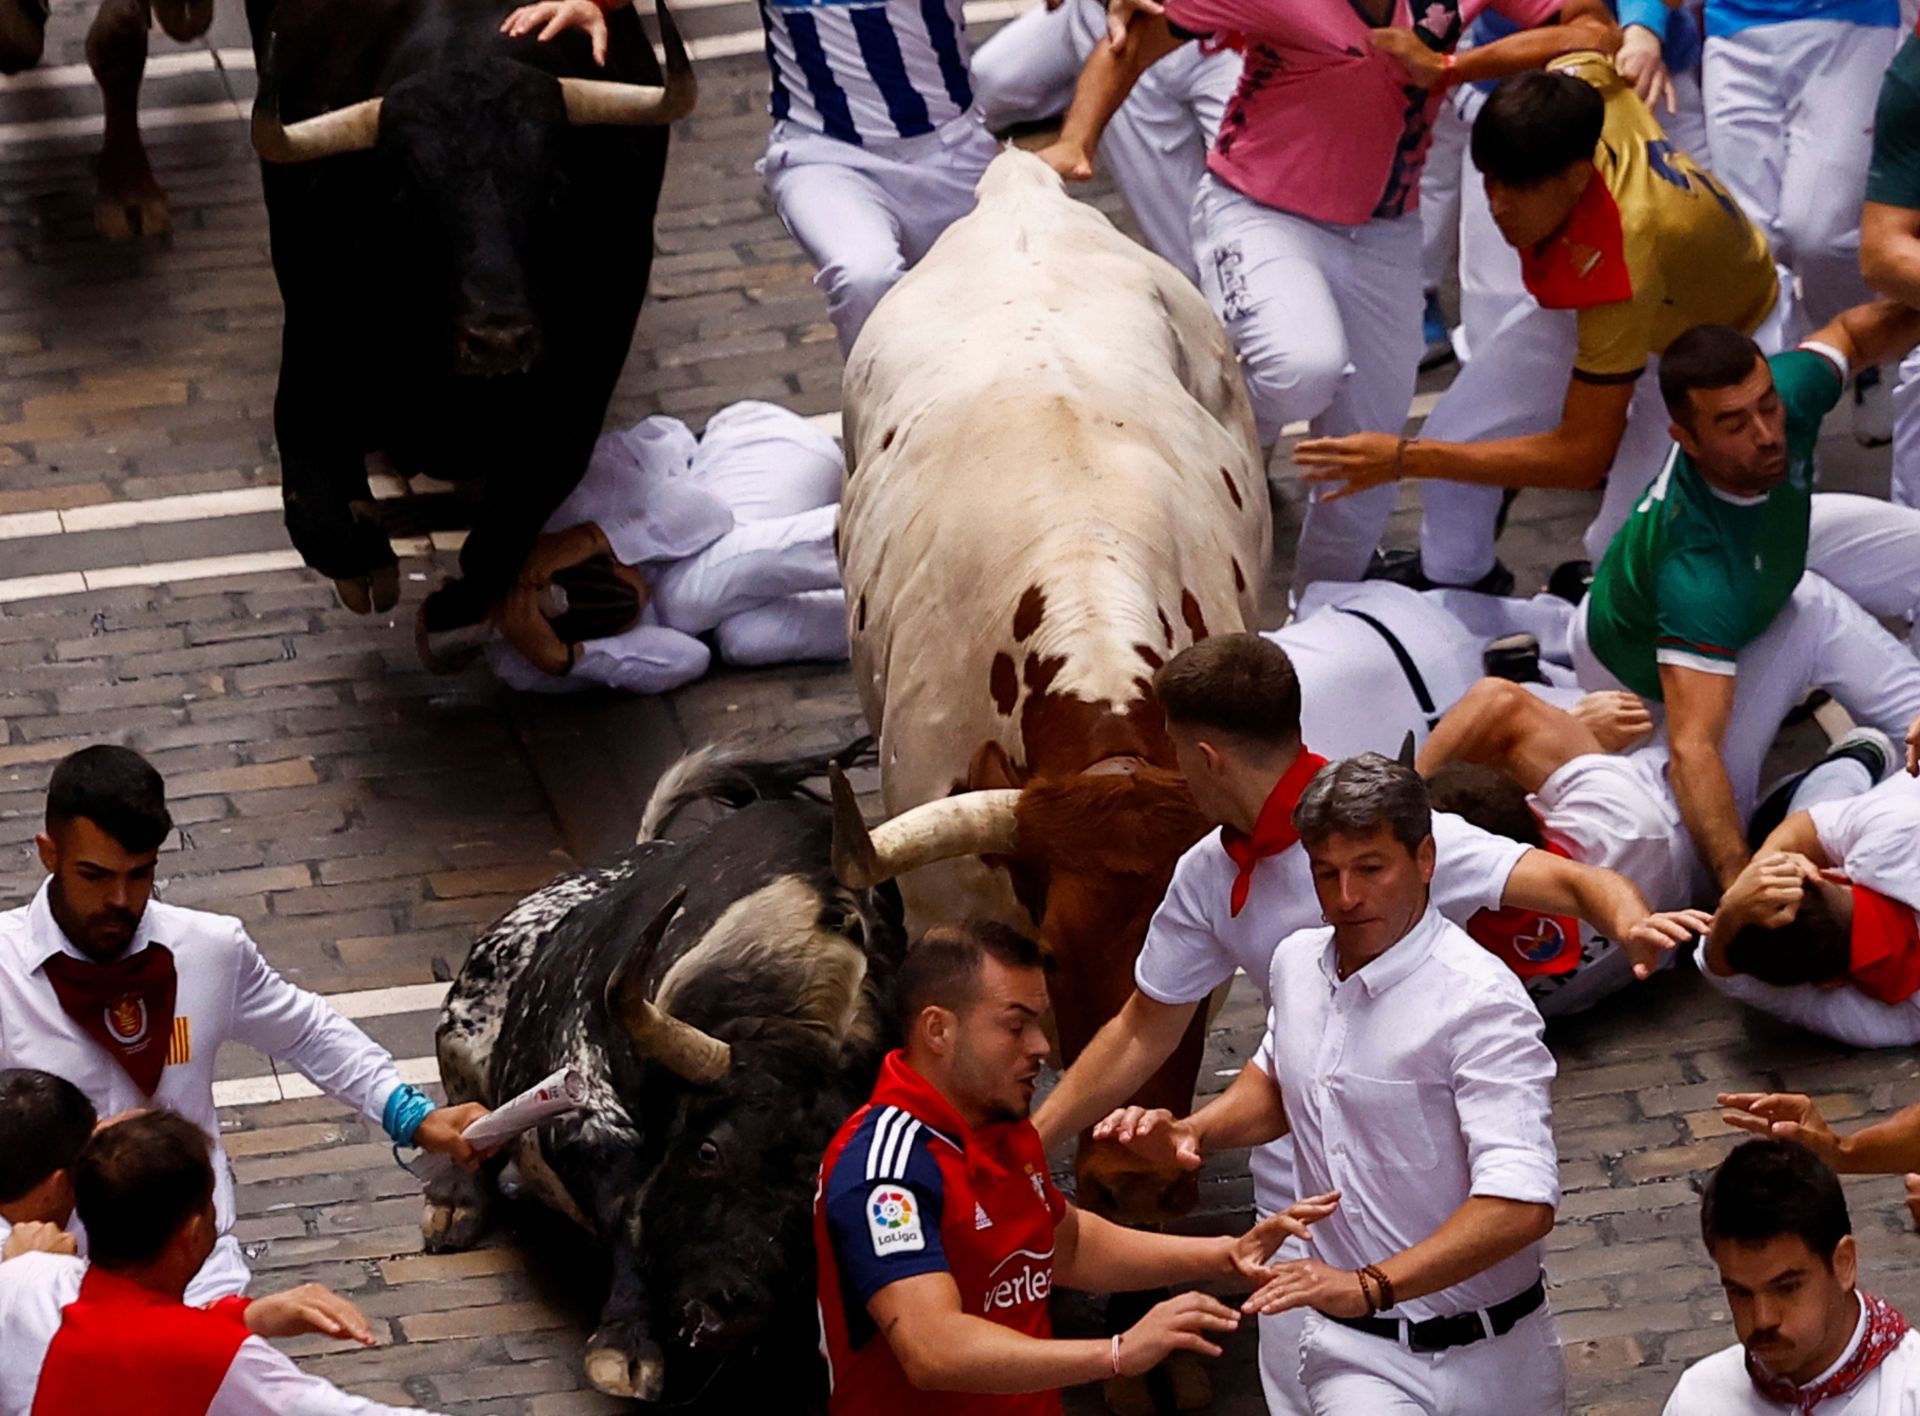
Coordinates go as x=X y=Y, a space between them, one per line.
x=726 y=1002
x=462 y=245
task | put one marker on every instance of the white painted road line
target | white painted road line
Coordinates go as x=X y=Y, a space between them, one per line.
x=385 y=1002
x=253 y=1091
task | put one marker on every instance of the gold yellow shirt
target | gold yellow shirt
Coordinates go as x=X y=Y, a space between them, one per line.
x=1655 y=247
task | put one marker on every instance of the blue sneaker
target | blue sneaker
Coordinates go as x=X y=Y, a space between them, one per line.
x=1433 y=325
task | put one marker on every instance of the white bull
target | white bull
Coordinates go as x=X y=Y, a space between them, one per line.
x=1053 y=485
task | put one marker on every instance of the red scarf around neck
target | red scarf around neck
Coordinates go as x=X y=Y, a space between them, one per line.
x=123 y=1348
x=1885 y=953
x=1273 y=832
x=125 y=1006
x=1885 y=1329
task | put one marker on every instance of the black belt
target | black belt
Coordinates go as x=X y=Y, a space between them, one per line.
x=1407 y=666
x=1458 y=1330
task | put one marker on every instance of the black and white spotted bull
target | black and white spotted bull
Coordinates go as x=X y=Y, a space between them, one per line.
x=727 y=1003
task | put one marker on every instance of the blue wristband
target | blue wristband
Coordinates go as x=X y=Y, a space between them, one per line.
x=406 y=1109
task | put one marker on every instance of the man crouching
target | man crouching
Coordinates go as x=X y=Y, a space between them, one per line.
x=1408 y=1065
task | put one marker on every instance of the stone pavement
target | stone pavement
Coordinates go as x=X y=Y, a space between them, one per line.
x=365 y=820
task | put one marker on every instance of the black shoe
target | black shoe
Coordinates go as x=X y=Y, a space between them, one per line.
x=1514 y=657
x=1402 y=567
x=1570 y=580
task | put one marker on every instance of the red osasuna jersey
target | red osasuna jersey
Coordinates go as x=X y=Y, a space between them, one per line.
x=907 y=1188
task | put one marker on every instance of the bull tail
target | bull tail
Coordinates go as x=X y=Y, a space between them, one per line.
x=733 y=772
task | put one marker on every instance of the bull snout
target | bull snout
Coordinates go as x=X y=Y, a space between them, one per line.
x=1116 y=1184
x=488 y=345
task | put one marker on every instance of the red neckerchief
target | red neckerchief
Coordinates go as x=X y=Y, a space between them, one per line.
x=1273 y=832
x=1885 y=949
x=1885 y=1329
x=1528 y=942
x=899 y=1085
x=121 y=1347
x=1585 y=263
x=125 y=1006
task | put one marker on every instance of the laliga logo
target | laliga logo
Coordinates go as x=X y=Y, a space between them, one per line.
x=1031 y=1284
x=892 y=1209
x=126 y=1019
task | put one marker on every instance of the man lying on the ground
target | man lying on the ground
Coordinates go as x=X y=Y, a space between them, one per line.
x=1775 y=1220
x=131 y=999
x=665 y=541
x=44 y=1124
x=1517 y=766
x=1822 y=929
x=83 y=1337
x=1712 y=557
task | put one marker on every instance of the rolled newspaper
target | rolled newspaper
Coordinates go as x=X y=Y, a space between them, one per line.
x=564 y=1091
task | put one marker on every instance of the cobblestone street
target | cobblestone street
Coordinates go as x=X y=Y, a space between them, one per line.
x=366 y=820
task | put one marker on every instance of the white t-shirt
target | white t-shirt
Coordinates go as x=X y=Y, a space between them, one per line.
x=1875 y=837
x=1719 y=1385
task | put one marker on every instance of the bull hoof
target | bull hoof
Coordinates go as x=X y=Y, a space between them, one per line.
x=615 y=1373
x=449 y=1228
x=367 y=593
x=120 y=216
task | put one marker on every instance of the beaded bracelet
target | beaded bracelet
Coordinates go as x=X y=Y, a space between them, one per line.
x=1373 y=1272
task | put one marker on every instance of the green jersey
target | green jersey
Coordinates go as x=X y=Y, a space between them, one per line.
x=1696 y=573
x=1893 y=179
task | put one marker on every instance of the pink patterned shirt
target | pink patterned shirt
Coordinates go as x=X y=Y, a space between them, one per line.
x=1323 y=124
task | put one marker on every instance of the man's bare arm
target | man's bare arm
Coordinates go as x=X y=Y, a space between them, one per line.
x=1698 y=706
x=1890 y=251
x=1104 y=84
x=1115 y=1065
x=1872 y=333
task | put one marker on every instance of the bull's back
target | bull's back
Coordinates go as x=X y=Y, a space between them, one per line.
x=1053 y=485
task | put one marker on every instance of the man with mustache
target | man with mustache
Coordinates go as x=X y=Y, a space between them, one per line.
x=130 y=999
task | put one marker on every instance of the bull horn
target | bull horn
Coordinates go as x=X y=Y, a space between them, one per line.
x=972 y=823
x=1406 y=756
x=681 y=1048
x=593 y=102
x=350 y=129
x=677 y=1046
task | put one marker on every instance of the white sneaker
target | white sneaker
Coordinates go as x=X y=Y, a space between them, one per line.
x=1871 y=748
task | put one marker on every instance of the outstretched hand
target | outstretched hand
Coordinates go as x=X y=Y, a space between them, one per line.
x=1153 y=1134
x=312 y=1307
x=1783 y=1116
x=1615 y=717
x=440 y=1132
x=1252 y=1249
x=1356 y=462
x=553 y=17
x=1423 y=67
x=1649 y=942
x=1308 y=1283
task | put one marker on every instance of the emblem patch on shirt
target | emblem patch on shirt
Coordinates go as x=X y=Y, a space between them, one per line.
x=1542 y=942
x=1039 y=1183
x=893 y=1221
x=980 y=1220
x=126 y=1019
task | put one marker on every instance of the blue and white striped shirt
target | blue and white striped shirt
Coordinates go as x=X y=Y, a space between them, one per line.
x=861 y=70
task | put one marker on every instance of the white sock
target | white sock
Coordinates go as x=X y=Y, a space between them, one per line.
x=1832 y=780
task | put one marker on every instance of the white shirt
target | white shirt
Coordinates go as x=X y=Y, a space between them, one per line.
x=262 y=1381
x=1416 y=1084
x=1872 y=837
x=1720 y=1385
x=225 y=991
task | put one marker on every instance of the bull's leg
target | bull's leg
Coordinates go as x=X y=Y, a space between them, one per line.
x=330 y=511
x=23 y=34
x=183 y=19
x=130 y=201
x=622 y=1357
x=459 y=1207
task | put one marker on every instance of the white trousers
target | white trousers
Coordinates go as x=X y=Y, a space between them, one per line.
x=865 y=215
x=756 y=562
x=1821 y=639
x=1443 y=182
x=223 y=1275
x=1790 y=122
x=1871 y=550
x=1155 y=146
x=1513 y=386
x=1326 y=320
x=1519 y=1373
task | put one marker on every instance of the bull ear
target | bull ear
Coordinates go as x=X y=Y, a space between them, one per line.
x=855 y=863
x=628 y=982
x=1406 y=751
